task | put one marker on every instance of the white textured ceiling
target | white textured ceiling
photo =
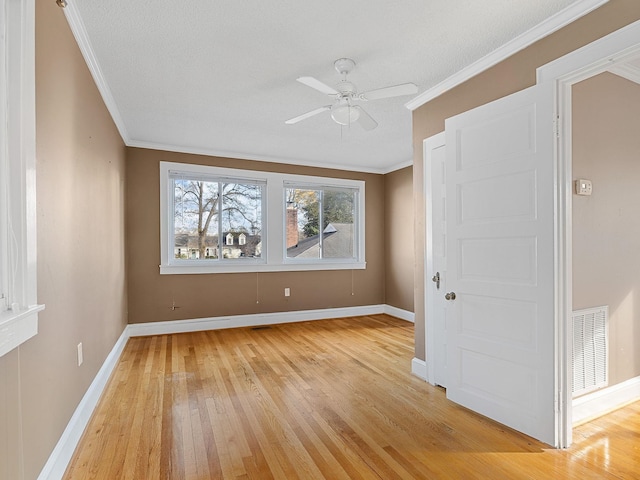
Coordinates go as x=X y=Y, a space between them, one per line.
x=219 y=78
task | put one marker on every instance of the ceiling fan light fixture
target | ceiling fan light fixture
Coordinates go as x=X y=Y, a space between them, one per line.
x=344 y=65
x=345 y=114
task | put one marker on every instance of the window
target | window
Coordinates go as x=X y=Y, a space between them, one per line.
x=323 y=222
x=18 y=309
x=219 y=220
x=208 y=208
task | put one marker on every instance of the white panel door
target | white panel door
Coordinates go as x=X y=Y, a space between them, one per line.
x=436 y=267
x=500 y=261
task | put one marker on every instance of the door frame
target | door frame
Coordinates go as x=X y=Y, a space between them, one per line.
x=592 y=59
x=434 y=141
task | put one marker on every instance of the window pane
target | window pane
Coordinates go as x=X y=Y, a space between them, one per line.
x=214 y=220
x=302 y=223
x=195 y=219
x=338 y=208
x=320 y=223
x=241 y=220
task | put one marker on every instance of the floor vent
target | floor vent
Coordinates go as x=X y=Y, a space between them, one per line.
x=590 y=349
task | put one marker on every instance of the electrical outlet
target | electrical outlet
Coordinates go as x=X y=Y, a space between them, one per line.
x=287 y=292
x=80 y=357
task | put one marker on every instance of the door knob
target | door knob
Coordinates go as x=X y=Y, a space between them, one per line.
x=436 y=279
x=450 y=296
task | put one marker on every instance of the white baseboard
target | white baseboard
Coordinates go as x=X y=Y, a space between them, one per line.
x=61 y=456
x=604 y=401
x=419 y=368
x=252 y=320
x=399 y=313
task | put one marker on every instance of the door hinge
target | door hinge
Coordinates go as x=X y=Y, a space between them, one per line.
x=556 y=126
x=559 y=403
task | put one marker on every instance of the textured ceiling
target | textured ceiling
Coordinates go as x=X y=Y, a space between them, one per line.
x=219 y=78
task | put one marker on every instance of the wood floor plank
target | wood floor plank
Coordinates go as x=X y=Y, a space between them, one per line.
x=316 y=400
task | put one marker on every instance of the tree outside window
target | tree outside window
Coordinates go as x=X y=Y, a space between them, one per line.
x=206 y=211
x=324 y=218
x=215 y=220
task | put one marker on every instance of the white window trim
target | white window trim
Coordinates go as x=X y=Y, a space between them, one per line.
x=274 y=228
x=166 y=223
x=19 y=312
x=326 y=185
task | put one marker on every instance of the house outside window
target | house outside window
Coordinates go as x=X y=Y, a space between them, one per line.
x=325 y=222
x=231 y=220
x=205 y=206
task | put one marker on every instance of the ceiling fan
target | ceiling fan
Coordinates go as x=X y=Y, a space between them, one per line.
x=344 y=109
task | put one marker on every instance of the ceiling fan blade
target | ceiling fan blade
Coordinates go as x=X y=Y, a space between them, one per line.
x=304 y=116
x=317 y=85
x=387 y=92
x=365 y=119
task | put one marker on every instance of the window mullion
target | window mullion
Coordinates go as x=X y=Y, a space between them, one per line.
x=321 y=223
x=219 y=217
x=266 y=247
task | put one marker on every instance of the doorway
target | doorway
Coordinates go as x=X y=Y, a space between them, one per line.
x=435 y=258
x=616 y=48
x=606 y=232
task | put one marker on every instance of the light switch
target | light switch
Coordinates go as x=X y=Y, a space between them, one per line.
x=583 y=187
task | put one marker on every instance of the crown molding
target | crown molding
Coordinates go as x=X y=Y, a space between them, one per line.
x=248 y=156
x=543 y=29
x=398 y=166
x=627 y=71
x=82 y=39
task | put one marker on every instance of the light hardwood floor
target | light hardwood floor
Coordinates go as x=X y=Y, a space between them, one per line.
x=327 y=399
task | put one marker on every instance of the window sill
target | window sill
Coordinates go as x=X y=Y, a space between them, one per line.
x=17 y=328
x=258 y=268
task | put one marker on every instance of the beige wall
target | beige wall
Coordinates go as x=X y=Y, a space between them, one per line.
x=81 y=277
x=509 y=76
x=10 y=431
x=210 y=295
x=81 y=227
x=606 y=225
x=398 y=230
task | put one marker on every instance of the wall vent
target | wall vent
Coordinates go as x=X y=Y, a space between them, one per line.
x=590 y=349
